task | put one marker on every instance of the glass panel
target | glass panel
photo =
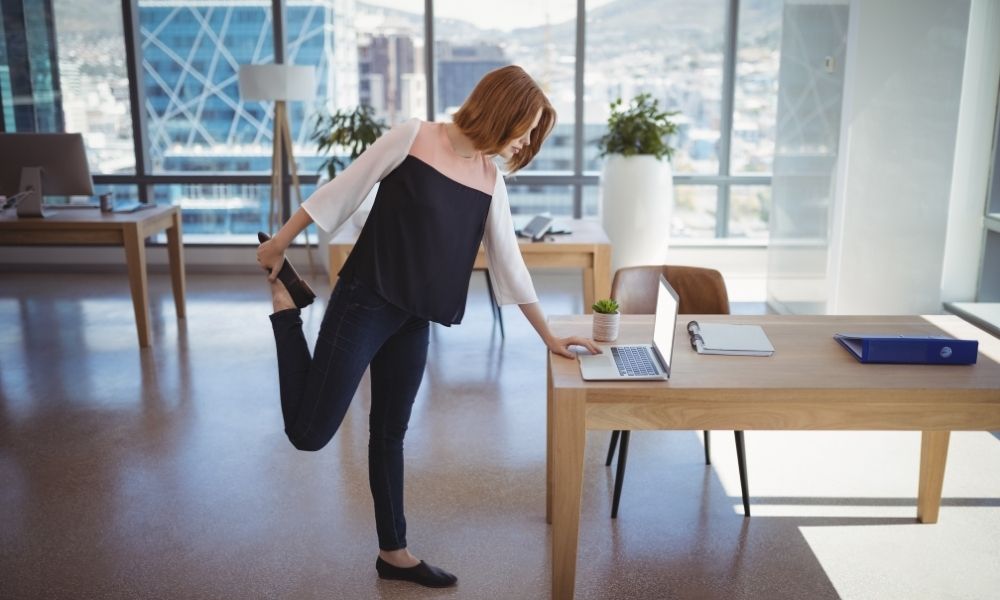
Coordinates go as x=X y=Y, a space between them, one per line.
x=379 y=63
x=678 y=60
x=807 y=140
x=591 y=200
x=391 y=78
x=120 y=193
x=191 y=57
x=307 y=190
x=749 y=211
x=29 y=75
x=192 y=52
x=694 y=211
x=374 y=55
x=83 y=89
x=538 y=35
x=218 y=213
x=197 y=121
x=6 y=91
x=756 y=93
x=526 y=199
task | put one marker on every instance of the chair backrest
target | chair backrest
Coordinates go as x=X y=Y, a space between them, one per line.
x=701 y=291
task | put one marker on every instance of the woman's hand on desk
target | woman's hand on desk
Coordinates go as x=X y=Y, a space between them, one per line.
x=561 y=346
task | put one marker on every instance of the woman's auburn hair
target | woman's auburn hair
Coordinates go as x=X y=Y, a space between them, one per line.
x=502 y=108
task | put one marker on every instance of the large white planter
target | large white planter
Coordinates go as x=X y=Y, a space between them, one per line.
x=637 y=199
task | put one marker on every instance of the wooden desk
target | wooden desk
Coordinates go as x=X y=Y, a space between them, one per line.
x=82 y=226
x=809 y=383
x=587 y=248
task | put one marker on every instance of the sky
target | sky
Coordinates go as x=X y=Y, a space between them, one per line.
x=504 y=15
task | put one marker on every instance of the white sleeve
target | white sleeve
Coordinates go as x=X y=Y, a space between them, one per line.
x=511 y=281
x=334 y=202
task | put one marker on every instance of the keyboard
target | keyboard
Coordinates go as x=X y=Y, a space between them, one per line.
x=127 y=207
x=634 y=361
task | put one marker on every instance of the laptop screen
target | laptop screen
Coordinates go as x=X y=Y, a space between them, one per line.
x=665 y=323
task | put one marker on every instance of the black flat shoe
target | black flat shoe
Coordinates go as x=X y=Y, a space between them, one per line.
x=302 y=295
x=422 y=574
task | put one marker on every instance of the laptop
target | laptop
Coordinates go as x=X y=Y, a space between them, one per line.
x=643 y=362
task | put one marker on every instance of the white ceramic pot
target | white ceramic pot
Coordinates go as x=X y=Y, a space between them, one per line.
x=637 y=200
x=606 y=327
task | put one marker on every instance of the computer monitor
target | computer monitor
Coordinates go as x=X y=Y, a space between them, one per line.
x=43 y=163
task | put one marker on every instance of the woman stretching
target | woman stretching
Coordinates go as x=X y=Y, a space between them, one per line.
x=440 y=197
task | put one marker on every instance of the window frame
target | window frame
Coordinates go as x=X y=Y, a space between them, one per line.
x=577 y=179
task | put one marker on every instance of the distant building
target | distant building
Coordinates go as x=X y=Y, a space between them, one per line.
x=383 y=63
x=460 y=67
x=192 y=50
x=413 y=96
x=30 y=93
x=196 y=120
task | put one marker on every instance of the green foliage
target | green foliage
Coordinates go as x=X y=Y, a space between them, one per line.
x=639 y=128
x=605 y=307
x=352 y=130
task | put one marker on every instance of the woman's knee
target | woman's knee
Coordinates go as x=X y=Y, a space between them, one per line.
x=387 y=434
x=307 y=443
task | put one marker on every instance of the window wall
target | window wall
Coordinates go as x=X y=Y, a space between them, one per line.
x=177 y=131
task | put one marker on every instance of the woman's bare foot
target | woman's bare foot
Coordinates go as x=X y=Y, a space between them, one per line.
x=399 y=558
x=280 y=297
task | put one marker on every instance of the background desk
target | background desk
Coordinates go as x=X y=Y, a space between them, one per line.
x=809 y=383
x=587 y=248
x=83 y=226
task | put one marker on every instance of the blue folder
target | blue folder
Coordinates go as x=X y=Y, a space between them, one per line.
x=909 y=349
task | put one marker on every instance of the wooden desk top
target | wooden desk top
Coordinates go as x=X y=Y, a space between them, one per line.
x=75 y=218
x=585 y=234
x=807 y=360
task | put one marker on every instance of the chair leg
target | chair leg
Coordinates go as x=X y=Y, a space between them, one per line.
x=620 y=473
x=611 y=447
x=708 y=455
x=742 y=461
x=497 y=313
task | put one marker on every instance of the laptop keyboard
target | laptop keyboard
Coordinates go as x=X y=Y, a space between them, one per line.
x=634 y=361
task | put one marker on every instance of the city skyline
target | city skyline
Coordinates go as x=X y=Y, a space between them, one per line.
x=681 y=65
x=695 y=93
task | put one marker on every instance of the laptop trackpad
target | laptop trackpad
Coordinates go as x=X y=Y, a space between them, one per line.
x=598 y=366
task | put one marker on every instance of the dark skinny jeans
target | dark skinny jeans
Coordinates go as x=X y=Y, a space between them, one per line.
x=359 y=329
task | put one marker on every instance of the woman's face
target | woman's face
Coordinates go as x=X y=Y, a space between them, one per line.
x=514 y=146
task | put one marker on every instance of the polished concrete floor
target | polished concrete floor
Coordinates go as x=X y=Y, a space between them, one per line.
x=164 y=473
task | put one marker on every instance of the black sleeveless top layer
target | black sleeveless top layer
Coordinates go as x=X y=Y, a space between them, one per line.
x=420 y=241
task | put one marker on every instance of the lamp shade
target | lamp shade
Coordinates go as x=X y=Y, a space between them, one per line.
x=277 y=82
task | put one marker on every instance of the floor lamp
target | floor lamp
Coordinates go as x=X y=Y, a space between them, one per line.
x=280 y=84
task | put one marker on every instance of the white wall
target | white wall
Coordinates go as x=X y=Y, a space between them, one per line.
x=901 y=109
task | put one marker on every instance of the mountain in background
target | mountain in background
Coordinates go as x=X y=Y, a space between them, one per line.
x=652 y=23
x=96 y=17
x=622 y=19
x=649 y=27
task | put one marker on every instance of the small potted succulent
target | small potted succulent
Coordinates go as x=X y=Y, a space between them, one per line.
x=606 y=320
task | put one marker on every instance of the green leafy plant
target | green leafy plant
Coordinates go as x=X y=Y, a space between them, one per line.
x=353 y=130
x=605 y=307
x=639 y=128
